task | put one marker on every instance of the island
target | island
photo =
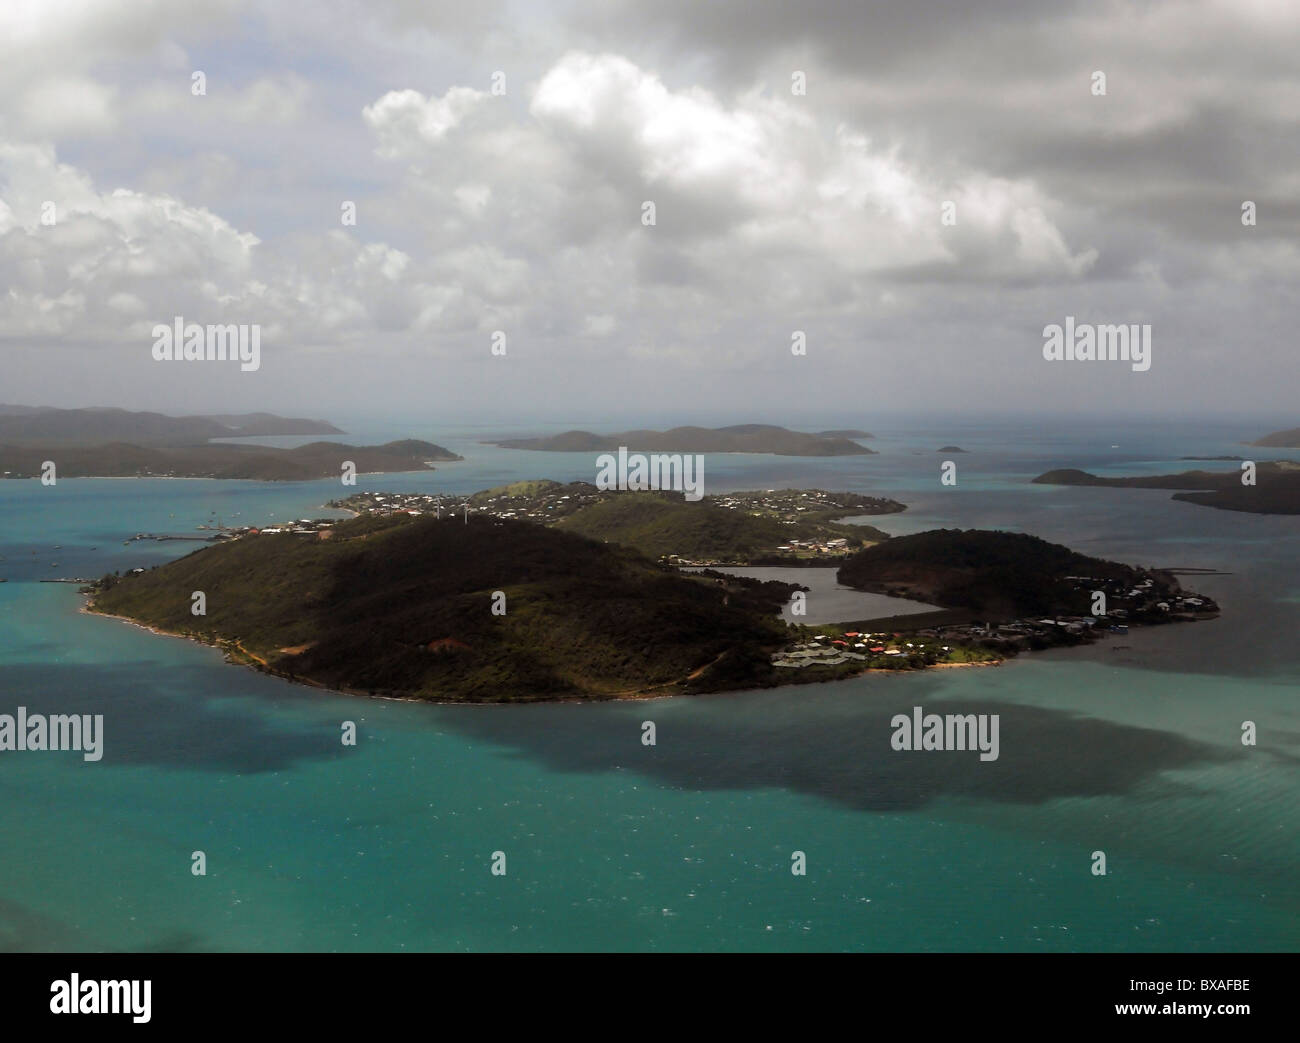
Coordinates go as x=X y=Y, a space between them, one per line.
x=476 y=607
x=1276 y=489
x=740 y=438
x=772 y=527
x=261 y=463
x=118 y=443
x=46 y=425
x=950 y=449
x=846 y=432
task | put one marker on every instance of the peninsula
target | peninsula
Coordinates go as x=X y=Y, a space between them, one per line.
x=1276 y=489
x=1288 y=439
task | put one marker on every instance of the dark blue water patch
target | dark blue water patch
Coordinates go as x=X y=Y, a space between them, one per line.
x=838 y=750
x=24 y=930
x=175 y=720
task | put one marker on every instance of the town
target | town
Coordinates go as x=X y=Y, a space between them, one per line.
x=947 y=641
x=811 y=515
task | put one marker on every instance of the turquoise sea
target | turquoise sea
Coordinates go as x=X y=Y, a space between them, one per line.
x=1131 y=747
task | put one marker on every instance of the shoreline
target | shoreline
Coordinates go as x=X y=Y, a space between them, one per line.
x=638 y=695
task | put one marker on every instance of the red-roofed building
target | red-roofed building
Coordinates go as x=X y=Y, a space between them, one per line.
x=446 y=644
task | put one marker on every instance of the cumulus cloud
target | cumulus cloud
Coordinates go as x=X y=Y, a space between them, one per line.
x=404 y=120
x=522 y=211
x=103 y=266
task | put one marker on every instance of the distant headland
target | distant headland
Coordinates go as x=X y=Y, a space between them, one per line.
x=116 y=443
x=1288 y=439
x=46 y=425
x=1276 y=489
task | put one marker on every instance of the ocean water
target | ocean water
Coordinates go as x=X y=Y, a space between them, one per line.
x=1131 y=747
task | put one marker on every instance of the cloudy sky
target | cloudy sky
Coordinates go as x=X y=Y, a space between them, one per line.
x=499 y=155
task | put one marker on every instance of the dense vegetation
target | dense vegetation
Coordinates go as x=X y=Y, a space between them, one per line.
x=659 y=524
x=997 y=574
x=395 y=605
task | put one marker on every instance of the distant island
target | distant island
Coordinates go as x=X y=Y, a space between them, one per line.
x=774 y=527
x=950 y=449
x=1288 y=439
x=480 y=608
x=741 y=438
x=260 y=463
x=847 y=432
x=1277 y=488
x=117 y=443
x=48 y=426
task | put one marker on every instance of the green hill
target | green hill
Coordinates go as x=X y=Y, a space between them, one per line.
x=396 y=605
x=997 y=574
x=661 y=524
